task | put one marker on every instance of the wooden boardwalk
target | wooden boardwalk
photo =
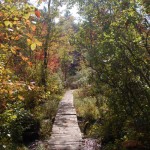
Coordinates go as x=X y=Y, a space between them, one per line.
x=66 y=134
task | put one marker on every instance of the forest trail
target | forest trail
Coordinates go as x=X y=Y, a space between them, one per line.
x=66 y=134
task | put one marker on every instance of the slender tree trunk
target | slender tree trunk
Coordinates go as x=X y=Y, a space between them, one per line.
x=46 y=46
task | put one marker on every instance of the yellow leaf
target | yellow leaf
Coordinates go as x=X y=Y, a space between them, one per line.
x=11 y=92
x=13 y=50
x=20 y=97
x=2 y=46
x=24 y=58
x=29 y=35
x=26 y=16
x=16 y=19
x=29 y=41
x=33 y=46
x=13 y=117
x=8 y=23
x=38 y=42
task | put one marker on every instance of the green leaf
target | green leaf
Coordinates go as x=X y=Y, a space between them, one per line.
x=8 y=23
x=13 y=117
x=26 y=16
x=16 y=19
x=33 y=46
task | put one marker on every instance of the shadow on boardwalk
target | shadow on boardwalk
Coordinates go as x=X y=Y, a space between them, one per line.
x=66 y=134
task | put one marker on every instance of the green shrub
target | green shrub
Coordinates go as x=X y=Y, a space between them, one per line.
x=85 y=106
x=15 y=122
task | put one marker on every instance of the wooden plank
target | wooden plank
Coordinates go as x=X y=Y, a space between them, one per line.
x=66 y=134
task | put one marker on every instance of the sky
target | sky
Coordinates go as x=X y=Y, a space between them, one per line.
x=62 y=9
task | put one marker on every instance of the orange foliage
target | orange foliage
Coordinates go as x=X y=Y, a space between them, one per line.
x=33 y=27
x=1 y=14
x=53 y=63
x=44 y=29
x=2 y=37
x=39 y=55
x=37 y=13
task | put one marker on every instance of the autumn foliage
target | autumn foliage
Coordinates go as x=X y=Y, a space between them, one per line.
x=21 y=59
x=37 y=13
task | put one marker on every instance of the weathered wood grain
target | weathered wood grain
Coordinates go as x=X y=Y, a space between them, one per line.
x=66 y=134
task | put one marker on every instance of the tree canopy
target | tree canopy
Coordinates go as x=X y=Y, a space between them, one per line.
x=105 y=55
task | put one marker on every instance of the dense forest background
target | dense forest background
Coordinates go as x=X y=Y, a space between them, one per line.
x=105 y=56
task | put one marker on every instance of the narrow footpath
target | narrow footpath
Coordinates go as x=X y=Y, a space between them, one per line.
x=66 y=134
